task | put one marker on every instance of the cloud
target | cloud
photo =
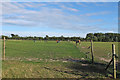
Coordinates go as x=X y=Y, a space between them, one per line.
x=96 y=13
x=18 y=22
x=33 y=5
x=55 y=18
x=68 y=8
x=108 y=31
x=14 y=9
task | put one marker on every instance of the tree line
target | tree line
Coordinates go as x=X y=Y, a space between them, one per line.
x=104 y=37
x=98 y=37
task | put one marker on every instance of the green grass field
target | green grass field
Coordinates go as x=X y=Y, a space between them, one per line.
x=26 y=59
x=102 y=50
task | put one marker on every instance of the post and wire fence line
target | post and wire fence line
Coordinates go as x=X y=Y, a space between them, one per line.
x=114 y=56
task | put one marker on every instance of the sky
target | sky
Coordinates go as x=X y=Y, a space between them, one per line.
x=60 y=0
x=59 y=18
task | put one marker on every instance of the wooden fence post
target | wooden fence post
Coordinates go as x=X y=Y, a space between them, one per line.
x=4 y=49
x=119 y=57
x=92 y=52
x=114 y=61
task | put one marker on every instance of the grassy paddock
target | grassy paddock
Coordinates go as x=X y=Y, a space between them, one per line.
x=102 y=50
x=41 y=49
x=26 y=59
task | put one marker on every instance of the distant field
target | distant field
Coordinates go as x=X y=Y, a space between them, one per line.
x=26 y=59
x=102 y=50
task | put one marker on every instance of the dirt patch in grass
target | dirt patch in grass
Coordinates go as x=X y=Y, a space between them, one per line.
x=46 y=60
x=103 y=59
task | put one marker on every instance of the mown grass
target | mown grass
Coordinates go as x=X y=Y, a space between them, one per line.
x=26 y=59
x=46 y=50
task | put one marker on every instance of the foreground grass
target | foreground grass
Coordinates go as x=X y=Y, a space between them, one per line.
x=29 y=69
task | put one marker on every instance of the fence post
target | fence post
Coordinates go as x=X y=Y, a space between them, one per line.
x=92 y=52
x=118 y=58
x=114 y=61
x=4 y=49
